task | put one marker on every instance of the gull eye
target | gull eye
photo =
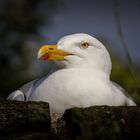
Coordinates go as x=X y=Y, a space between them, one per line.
x=84 y=45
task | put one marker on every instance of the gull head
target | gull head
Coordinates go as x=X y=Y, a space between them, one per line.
x=78 y=51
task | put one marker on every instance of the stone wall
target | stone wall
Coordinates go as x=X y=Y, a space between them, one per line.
x=31 y=121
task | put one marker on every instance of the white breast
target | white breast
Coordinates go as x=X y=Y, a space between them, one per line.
x=69 y=87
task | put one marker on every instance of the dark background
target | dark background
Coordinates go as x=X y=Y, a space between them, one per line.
x=27 y=24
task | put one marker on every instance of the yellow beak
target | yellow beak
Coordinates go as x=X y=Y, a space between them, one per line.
x=51 y=52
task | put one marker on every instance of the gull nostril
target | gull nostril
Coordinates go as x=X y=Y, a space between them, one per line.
x=51 y=49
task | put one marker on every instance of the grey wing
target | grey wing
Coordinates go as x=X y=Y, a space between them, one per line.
x=24 y=93
x=129 y=101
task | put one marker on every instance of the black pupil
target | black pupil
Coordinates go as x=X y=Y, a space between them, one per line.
x=85 y=44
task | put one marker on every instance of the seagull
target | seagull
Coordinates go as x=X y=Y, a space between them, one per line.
x=80 y=78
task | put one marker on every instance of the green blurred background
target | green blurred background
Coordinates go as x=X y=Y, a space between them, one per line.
x=27 y=24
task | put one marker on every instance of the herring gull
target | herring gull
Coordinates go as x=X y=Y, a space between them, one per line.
x=81 y=77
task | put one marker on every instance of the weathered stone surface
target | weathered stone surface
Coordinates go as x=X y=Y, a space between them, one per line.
x=17 y=118
x=32 y=136
x=31 y=121
x=101 y=123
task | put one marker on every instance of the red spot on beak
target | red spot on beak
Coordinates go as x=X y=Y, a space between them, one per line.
x=46 y=56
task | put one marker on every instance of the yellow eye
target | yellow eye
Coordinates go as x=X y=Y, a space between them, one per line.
x=84 y=45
